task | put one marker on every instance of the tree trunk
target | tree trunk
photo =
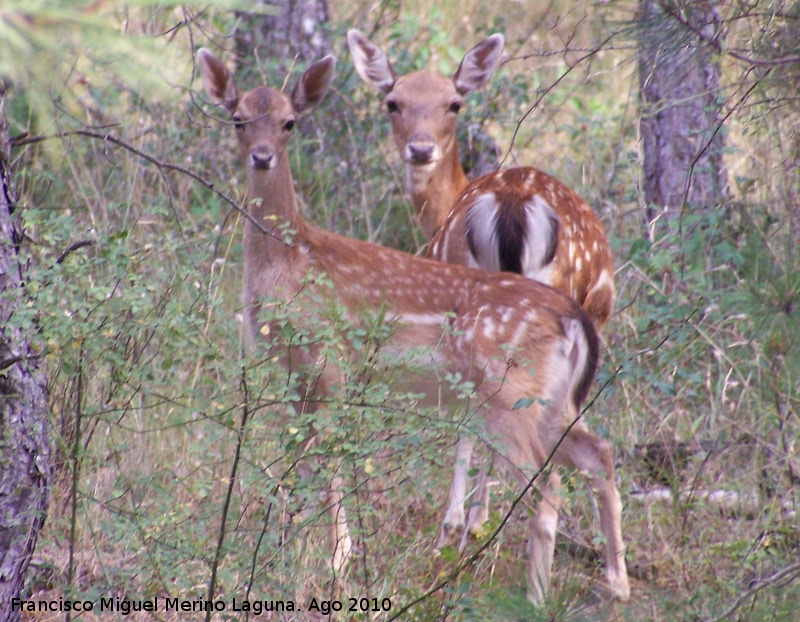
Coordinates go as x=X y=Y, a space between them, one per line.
x=24 y=451
x=681 y=115
x=295 y=33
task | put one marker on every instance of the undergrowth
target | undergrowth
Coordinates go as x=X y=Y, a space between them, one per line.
x=181 y=456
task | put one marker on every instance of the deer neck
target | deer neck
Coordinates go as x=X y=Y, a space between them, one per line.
x=434 y=189
x=272 y=225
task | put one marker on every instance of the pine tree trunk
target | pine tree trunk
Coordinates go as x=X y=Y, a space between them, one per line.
x=295 y=33
x=24 y=451
x=681 y=116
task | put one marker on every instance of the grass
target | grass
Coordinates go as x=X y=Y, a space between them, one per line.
x=152 y=397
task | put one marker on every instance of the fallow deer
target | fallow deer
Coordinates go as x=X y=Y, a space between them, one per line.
x=514 y=340
x=518 y=220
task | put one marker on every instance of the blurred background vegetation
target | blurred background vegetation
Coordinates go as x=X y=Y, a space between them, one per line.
x=174 y=453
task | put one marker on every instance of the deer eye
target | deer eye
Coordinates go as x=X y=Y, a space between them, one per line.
x=455 y=107
x=391 y=106
x=237 y=122
x=289 y=125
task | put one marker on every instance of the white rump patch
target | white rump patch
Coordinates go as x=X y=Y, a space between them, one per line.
x=480 y=222
x=541 y=237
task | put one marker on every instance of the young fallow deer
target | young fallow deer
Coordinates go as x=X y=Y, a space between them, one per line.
x=518 y=220
x=516 y=341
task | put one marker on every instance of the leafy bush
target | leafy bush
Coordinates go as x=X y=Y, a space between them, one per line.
x=181 y=457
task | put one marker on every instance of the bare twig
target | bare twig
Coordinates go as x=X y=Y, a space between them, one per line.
x=470 y=560
x=713 y=40
x=161 y=165
x=6 y=363
x=591 y=52
x=218 y=551
x=72 y=248
x=781 y=578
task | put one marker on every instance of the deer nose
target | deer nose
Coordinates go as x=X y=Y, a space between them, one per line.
x=262 y=159
x=419 y=149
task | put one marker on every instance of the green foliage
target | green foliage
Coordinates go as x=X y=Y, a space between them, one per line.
x=183 y=454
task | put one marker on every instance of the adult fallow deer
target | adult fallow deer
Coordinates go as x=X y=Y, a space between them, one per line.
x=517 y=220
x=530 y=352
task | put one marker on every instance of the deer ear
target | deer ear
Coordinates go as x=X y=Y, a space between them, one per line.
x=313 y=86
x=217 y=80
x=479 y=64
x=371 y=63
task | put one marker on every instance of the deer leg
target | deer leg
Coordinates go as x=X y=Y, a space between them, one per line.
x=454 y=517
x=341 y=542
x=339 y=533
x=595 y=456
x=542 y=542
x=478 y=511
x=611 y=526
x=526 y=452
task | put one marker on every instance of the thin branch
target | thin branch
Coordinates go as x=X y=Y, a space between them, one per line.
x=591 y=52
x=218 y=551
x=161 y=165
x=717 y=128
x=9 y=362
x=470 y=560
x=72 y=248
x=714 y=42
x=779 y=579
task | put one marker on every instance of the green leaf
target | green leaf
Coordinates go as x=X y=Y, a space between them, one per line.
x=523 y=402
